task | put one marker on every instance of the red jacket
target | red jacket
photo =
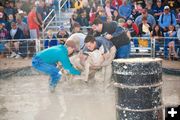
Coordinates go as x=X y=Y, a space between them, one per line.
x=134 y=26
x=114 y=3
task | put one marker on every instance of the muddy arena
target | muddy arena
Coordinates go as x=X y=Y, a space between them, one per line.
x=24 y=94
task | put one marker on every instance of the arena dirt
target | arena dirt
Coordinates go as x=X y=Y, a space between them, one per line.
x=27 y=97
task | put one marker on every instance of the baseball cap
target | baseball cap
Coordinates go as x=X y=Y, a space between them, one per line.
x=166 y=7
x=61 y=27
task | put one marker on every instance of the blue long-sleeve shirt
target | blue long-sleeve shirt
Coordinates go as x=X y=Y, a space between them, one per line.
x=167 y=20
x=150 y=19
x=57 y=54
x=125 y=10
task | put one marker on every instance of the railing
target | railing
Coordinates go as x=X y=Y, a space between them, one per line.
x=26 y=47
x=61 y=6
x=38 y=45
x=44 y=25
x=150 y=48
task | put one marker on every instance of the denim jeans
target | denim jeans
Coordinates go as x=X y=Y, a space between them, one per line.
x=123 y=51
x=48 y=69
x=166 y=52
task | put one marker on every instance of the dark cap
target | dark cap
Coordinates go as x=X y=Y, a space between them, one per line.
x=61 y=27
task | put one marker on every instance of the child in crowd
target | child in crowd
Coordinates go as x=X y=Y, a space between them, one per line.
x=170 y=43
x=51 y=40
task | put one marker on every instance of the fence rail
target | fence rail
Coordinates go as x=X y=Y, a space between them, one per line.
x=38 y=44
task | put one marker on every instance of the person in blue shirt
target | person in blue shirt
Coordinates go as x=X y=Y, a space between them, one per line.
x=166 y=19
x=150 y=19
x=47 y=60
x=51 y=40
x=125 y=10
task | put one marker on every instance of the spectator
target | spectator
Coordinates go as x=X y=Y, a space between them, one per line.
x=157 y=34
x=40 y=10
x=150 y=18
x=141 y=3
x=62 y=35
x=178 y=18
x=3 y=36
x=92 y=15
x=10 y=8
x=27 y=5
x=73 y=19
x=76 y=28
x=166 y=19
x=51 y=40
x=121 y=22
x=18 y=5
x=34 y=24
x=23 y=26
x=101 y=13
x=116 y=3
x=3 y=16
x=115 y=16
x=23 y=16
x=133 y=29
x=158 y=9
x=109 y=19
x=177 y=6
x=149 y=7
x=15 y=35
x=78 y=5
x=9 y=21
x=125 y=10
x=136 y=10
x=82 y=20
x=171 y=4
x=170 y=42
x=145 y=29
x=108 y=9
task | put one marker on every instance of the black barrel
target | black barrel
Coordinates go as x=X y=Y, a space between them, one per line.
x=138 y=83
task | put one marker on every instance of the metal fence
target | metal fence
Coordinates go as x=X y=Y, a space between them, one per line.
x=28 y=47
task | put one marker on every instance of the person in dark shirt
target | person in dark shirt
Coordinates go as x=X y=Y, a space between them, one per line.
x=116 y=34
x=62 y=35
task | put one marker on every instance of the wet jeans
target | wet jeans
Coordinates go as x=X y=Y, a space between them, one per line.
x=48 y=69
x=123 y=51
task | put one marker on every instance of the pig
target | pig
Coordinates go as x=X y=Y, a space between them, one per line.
x=91 y=64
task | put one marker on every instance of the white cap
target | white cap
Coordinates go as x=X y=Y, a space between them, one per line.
x=166 y=7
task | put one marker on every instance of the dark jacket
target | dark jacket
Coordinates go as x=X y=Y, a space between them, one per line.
x=141 y=31
x=19 y=34
x=120 y=37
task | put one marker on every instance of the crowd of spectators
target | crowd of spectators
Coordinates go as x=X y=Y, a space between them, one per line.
x=21 y=19
x=142 y=18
